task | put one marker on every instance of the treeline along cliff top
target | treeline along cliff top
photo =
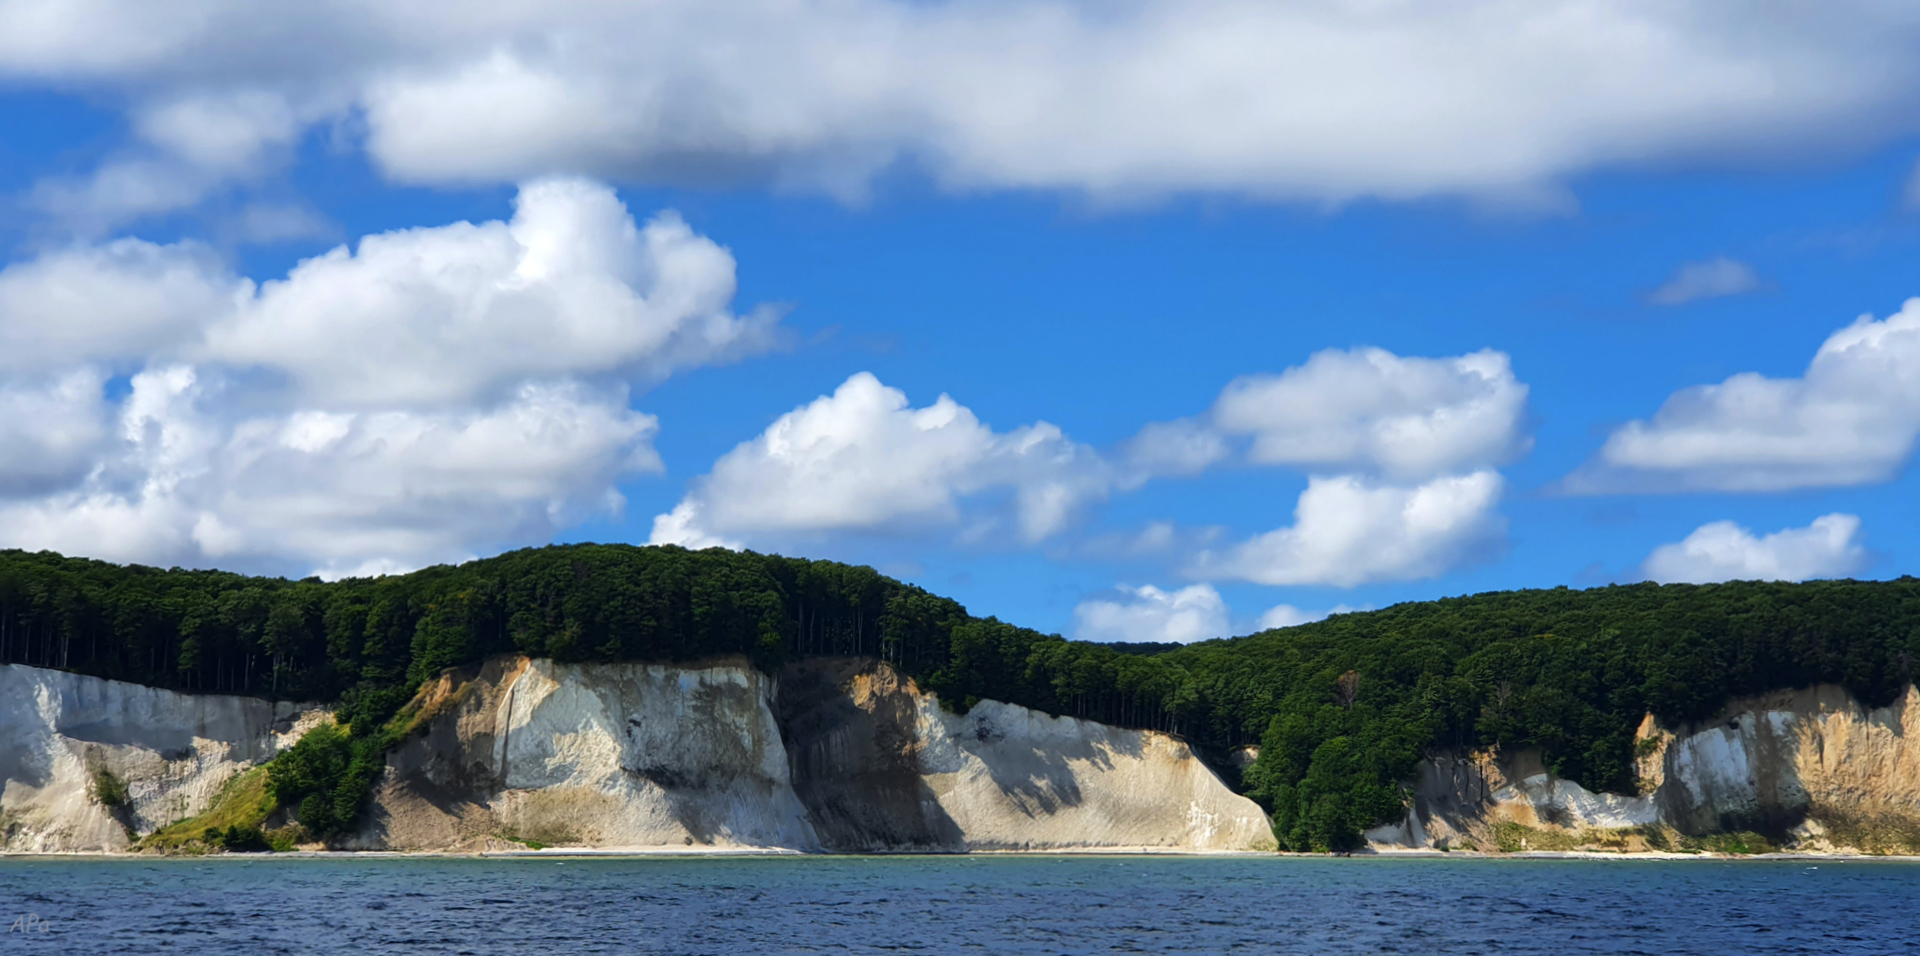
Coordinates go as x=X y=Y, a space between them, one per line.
x=1343 y=709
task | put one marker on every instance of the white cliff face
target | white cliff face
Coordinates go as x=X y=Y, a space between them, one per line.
x=1013 y=778
x=645 y=755
x=1769 y=763
x=602 y=755
x=1565 y=803
x=173 y=751
x=657 y=756
x=849 y=756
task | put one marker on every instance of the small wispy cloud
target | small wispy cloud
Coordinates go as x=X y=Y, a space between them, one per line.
x=1148 y=614
x=1287 y=615
x=1706 y=279
x=1911 y=194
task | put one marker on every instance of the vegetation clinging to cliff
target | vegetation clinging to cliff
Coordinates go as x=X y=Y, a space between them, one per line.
x=1344 y=708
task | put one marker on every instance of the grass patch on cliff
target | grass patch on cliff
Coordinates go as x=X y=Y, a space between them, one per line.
x=1742 y=843
x=1510 y=837
x=235 y=822
x=529 y=844
x=1657 y=837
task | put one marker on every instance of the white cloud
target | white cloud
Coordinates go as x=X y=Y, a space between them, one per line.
x=266 y=222
x=1156 y=540
x=1850 y=419
x=188 y=148
x=1708 y=279
x=223 y=133
x=114 y=303
x=569 y=286
x=1371 y=410
x=437 y=393
x=1148 y=614
x=862 y=459
x=1401 y=452
x=1412 y=442
x=121 y=189
x=335 y=491
x=1724 y=551
x=1286 y=615
x=1349 y=530
x=1326 y=99
x=448 y=314
x=1184 y=447
x=50 y=431
x=1194 y=613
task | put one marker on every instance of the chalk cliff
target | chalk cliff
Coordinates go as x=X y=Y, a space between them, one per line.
x=848 y=755
x=831 y=755
x=881 y=766
x=61 y=733
x=1808 y=769
x=601 y=755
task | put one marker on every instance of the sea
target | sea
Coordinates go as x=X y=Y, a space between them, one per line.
x=988 y=904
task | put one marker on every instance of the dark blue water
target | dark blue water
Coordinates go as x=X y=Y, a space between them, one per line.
x=992 y=905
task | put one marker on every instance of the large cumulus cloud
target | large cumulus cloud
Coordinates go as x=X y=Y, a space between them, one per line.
x=431 y=394
x=1323 y=100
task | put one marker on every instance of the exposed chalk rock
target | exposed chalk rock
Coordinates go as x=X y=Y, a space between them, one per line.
x=173 y=751
x=882 y=766
x=601 y=755
x=1811 y=768
x=843 y=754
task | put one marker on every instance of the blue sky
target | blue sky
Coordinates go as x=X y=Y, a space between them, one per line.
x=1098 y=262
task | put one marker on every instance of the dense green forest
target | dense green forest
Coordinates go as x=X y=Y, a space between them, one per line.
x=1343 y=708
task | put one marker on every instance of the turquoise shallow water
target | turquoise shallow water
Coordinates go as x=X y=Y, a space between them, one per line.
x=980 y=904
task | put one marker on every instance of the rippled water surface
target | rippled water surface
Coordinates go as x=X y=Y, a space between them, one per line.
x=996 y=905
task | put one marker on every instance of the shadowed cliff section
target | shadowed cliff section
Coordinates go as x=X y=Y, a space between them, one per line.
x=853 y=743
x=883 y=765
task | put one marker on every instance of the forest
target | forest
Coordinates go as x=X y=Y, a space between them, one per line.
x=1343 y=708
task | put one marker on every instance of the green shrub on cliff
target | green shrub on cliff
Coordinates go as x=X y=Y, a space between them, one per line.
x=108 y=788
x=328 y=775
x=238 y=838
x=1343 y=709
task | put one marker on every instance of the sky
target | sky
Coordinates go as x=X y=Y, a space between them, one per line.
x=1128 y=321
